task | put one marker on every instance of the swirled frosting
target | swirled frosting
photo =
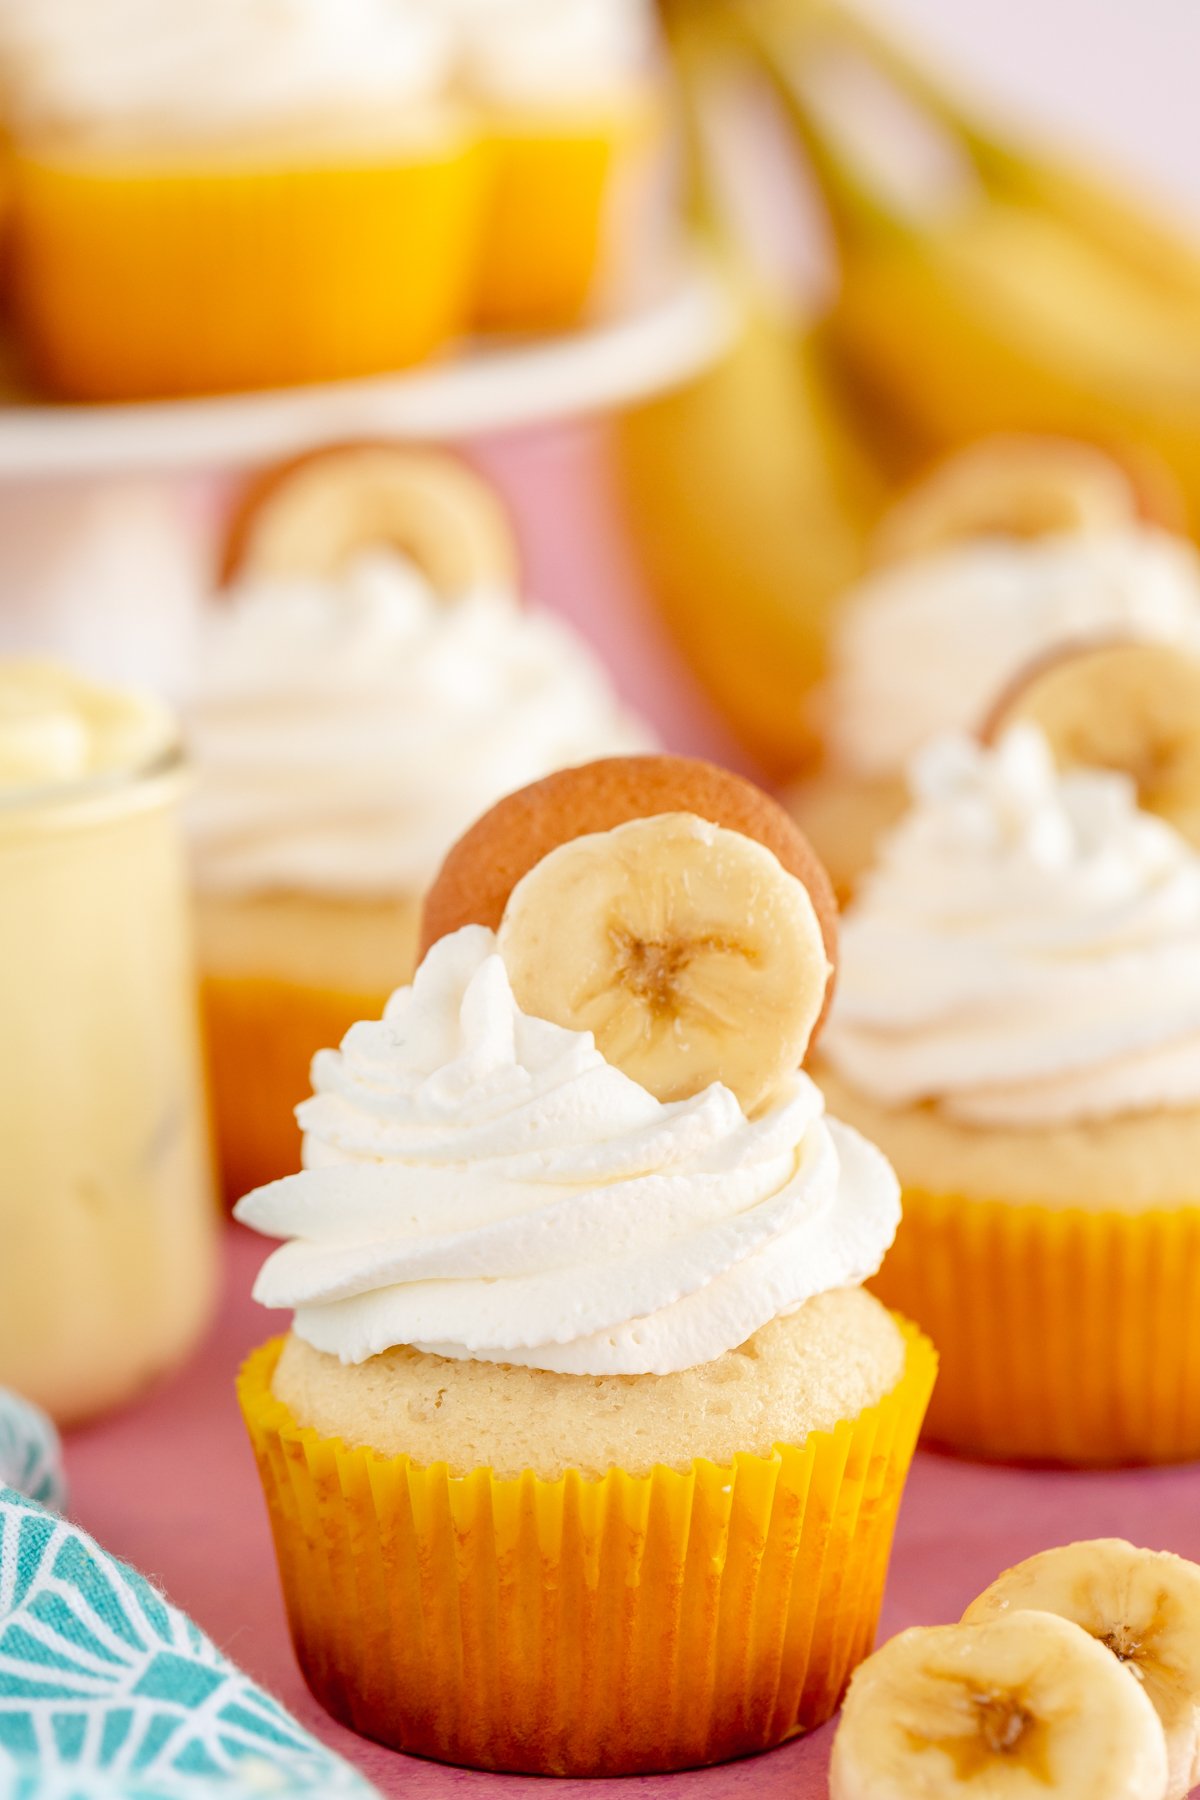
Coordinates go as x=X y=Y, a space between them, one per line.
x=482 y=1184
x=549 y=50
x=346 y=732
x=926 y=646
x=1027 y=949
x=216 y=66
x=58 y=728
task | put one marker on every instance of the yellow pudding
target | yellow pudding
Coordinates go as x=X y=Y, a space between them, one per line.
x=107 y=1217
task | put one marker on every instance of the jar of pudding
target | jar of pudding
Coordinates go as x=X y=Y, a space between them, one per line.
x=108 y=1227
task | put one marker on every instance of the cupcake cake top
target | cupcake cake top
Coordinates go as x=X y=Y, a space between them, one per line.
x=1012 y=549
x=1026 y=951
x=556 y=51
x=138 y=68
x=59 y=729
x=347 y=723
x=581 y=1142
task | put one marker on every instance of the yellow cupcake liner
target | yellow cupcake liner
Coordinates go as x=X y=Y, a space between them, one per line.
x=132 y=283
x=1064 y=1336
x=558 y=193
x=585 y=1626
x=260 y=1037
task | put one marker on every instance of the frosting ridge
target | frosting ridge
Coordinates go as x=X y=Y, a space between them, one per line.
x=204 y=70
x=480 y=1183
x=347 y=732
x=1026 y=950
x=927 y=645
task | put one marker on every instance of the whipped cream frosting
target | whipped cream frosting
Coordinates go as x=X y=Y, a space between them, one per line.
x=58 y=728
x=481 y=1184
x=197 y=67
x=347 y=732
x=927 y=646
x=1027 y=950
x=548 y=50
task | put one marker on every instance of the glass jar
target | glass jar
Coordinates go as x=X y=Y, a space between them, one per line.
x=108 y=1225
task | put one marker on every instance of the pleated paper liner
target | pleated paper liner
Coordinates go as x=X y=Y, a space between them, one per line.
x=1064 y=1336
x=261 y=1035
x=585 y=1626
x=559 y=209
x=132 y=284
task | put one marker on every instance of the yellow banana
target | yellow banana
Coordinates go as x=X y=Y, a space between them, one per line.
x=750 y=503
x=1039 y=301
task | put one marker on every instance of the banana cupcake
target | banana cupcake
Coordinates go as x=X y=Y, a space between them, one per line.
x=1018 y=1026
x=1012 y=548
x=366 y=684
x=584 y=1450
x=570 y=109
x=244 y=193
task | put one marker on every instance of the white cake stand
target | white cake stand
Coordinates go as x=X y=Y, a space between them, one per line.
x=106 y=512
x=671 y=335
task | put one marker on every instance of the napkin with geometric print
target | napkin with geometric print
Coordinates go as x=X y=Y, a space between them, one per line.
x=107 y=1692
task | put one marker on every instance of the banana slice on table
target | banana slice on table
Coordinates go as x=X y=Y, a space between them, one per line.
x=1020 y=1706
x=1143 y=1606
x=1012 y=487
x=687 y=948
x=313 y=515
x=1129 y=706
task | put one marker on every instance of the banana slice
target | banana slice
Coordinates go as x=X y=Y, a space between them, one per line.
x=1013 y=487
x=686 y=948
x=1134 y=707
x=1020 y=1706
x=1144 y=1606
x=311 y=516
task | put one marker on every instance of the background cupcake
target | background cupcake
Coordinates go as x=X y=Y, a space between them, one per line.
x=240 y=194
x=1017 y=1025
x=1016 y=546
x=609 y=1345
x=346 y=725
x=570 y=109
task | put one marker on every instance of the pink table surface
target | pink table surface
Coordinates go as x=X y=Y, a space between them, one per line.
x=170 y=1484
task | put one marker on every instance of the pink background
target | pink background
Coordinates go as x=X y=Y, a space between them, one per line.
x=170 y=1484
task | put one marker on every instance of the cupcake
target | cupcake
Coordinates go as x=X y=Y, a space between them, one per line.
x=1017 y=1025
x=108 y=1227
x=584 y=1450
x=347 y=724
x=570 y=110
x=1009 y=550
x=246 y=193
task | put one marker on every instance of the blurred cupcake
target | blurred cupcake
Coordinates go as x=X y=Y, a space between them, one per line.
x=240 y=194
x=1018 y=1026
x=570 y=109
x=584 y=1452
x=346 y=724
x=1008 y=550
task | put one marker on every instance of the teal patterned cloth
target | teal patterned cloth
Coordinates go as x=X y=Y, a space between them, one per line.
x=30 y=1453
x=107 y=1692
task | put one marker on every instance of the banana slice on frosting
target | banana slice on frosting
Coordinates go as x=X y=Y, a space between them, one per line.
x=687 y=949
x=312 y=516
x=1008 y=487
x=1129 y=706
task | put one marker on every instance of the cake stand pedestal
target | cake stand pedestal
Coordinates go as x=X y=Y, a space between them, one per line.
x=109 y=515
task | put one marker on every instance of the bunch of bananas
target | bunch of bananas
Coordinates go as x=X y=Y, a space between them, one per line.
x=1035 y=299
